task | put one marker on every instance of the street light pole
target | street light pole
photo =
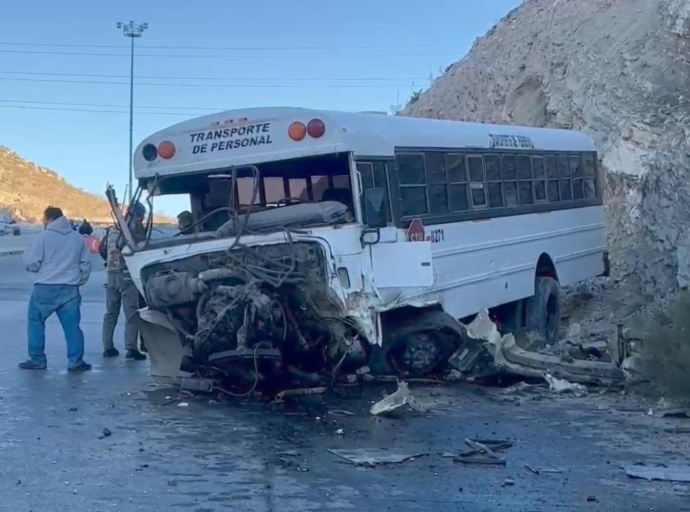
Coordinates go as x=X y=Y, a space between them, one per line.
x=131 y=30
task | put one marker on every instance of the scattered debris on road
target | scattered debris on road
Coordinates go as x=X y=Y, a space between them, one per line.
x=106 y=433
x=487 y=353
x=196 y=385
x=543 y=471
x=483 y=452
x=662 y=472
x=374 y=456
x=289 y=393
x=563 y=386
x=395 y=401
x=677 y=430
x=682 y=412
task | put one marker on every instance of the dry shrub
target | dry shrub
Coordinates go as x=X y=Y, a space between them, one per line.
x=666 y=351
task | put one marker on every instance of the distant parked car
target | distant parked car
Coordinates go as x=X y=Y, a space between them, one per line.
x=9 y=226
x=16 y=228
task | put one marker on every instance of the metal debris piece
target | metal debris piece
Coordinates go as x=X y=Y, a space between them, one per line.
x=663 y=472
x=340 y=412
x=397 y=400
x=290 y=453
x=107 y=432
x=680 y=412
x=488 y=352
x=183 y=404
x=677 y=430
x=373 y=456
x=543 y=471
x=508 y=482
x=479 y=460
x=563 y=386
x=196 y=385
x=483 y=452
x=300 y=392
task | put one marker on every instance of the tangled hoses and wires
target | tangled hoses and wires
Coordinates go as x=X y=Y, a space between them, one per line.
x=256 y=374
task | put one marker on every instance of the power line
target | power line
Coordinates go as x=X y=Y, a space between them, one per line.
x=109 y=105
x=227 y=86
x=233 y=48
x=334 y=79
x=239 y=56
x=100 y=108
x=99 y=111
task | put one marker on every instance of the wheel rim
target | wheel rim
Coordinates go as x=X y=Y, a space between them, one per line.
x=417 y=353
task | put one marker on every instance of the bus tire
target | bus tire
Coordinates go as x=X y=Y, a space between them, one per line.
x=417 y=346
x=543 y=309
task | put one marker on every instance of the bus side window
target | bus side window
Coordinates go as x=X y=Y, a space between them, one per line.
x=374 y=176
x=590 y=174
x=412 y=182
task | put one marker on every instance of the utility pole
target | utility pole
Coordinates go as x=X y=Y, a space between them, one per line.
x=131 y=30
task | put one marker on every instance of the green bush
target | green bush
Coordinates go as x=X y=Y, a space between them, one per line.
x=666 y=351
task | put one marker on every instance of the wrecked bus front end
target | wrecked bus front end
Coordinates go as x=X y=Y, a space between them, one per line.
x=234 y=307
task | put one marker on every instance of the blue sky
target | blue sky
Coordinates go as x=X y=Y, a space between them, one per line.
x=197 y=58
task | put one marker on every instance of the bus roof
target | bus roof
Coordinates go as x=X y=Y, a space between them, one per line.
x=257 y=135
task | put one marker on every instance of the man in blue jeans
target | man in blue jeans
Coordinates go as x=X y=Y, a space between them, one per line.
x=60 y=260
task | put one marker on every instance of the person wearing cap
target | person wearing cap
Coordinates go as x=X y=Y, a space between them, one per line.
x=120 y=289
x=184 y=222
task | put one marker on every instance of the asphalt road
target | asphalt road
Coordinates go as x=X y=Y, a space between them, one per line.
x=248 y=455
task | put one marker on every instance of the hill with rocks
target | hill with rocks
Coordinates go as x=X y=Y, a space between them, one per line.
x=26 y=189
x=617 y=70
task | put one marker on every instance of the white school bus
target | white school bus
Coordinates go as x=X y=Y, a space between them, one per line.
x=317 y=234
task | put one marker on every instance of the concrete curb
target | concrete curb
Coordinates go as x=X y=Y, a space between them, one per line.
x=10 y=252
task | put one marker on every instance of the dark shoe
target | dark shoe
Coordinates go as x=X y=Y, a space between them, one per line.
x=111 y=352
x=30 y=365
x=80 y=367
x=135 y=355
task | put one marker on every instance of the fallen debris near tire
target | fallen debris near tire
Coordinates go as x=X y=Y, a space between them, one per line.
x=483 y=452
x=662 y=472
x=374 y=456
x=487 y=352
x=288 y=393
x=397 y=402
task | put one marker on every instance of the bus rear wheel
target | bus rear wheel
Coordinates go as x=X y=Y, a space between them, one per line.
x=543 y=309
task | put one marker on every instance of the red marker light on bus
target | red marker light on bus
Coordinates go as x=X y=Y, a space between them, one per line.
x=297 y=131
x=316 y=128
x=166 y=149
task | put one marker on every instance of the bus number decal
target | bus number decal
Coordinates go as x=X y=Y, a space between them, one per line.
x=510 y=141
x=436 y=236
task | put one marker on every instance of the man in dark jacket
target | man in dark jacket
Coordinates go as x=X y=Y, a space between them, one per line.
x=85 y=228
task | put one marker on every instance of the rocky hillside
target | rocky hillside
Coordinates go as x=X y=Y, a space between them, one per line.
x=617 y=70
x=26 y=189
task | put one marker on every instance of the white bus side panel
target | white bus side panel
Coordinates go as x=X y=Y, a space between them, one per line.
x=483 y=264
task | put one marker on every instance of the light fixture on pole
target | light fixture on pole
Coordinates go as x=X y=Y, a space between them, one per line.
x=131 y=30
